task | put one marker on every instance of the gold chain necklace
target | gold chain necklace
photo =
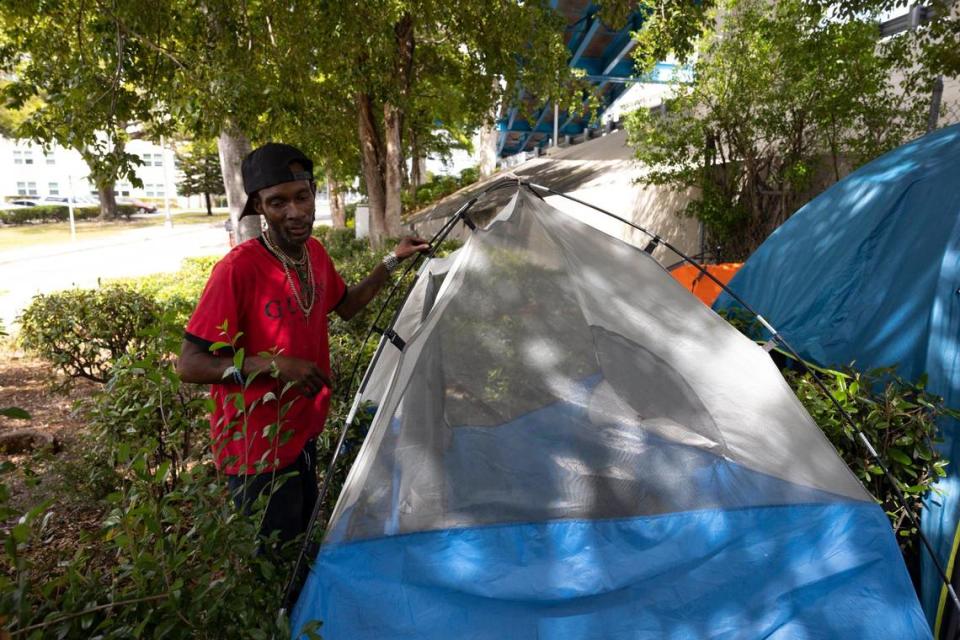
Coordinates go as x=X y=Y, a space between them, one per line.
x=301 y=264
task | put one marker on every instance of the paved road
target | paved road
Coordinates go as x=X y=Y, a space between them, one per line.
x=42 y=269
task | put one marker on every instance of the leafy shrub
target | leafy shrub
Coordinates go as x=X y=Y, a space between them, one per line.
x=164 y=564
x=178 y=291
x=900 y=420
x=173 y=557
x=83 y=332
x=899 y=417
x=439 y=187
x=469 y=176
x=57 y=213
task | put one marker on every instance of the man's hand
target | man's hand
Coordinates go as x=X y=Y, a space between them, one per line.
x=409 y=246
x=308 y=376
x=359 y=295
x=196 y=364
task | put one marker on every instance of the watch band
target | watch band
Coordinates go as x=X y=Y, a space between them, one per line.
x=391 y=262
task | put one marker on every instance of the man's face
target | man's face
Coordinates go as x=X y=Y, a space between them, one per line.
x=289 y=209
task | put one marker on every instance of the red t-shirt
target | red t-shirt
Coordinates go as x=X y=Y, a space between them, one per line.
x=249 y=291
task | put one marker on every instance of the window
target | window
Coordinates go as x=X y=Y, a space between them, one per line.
x=23 y=156
x=123 y=189
x=49 y=156
x=53 y=188
x=153 y=190
x=26 y=188
x=152 y=159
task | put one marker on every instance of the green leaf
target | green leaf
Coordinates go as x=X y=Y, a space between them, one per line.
x=900 y=456
x=14 y=412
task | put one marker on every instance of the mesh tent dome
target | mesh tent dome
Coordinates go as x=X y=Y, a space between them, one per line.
x=571 y=445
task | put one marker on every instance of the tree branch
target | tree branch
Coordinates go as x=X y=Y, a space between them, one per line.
x=70 y=616
x=146 y=41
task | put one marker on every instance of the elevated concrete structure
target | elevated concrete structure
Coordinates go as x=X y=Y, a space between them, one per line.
x=602 y=172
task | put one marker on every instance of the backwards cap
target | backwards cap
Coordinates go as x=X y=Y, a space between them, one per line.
x=269 y=165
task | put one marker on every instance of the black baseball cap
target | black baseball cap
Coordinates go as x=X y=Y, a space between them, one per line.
x=269 y=165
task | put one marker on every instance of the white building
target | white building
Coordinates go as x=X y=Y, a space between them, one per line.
x=29 y=170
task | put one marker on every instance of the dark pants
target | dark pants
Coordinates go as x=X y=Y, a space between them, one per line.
x=294 y=493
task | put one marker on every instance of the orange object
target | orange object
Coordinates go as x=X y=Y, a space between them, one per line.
x=702 y=286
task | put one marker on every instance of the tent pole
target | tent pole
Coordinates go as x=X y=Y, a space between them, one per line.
x=775 y=335
x=309 y=548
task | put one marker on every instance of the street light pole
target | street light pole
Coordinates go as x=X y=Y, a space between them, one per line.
x=168 y=223
x=70 y=199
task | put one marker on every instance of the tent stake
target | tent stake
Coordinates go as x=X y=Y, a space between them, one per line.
x=775 y=335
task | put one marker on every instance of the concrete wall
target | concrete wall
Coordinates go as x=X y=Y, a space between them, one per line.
x=601 y=172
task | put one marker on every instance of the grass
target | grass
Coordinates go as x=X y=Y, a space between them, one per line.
x=16 y=237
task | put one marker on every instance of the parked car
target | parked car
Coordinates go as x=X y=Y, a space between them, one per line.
x=142 y=207
x=79 y=201
x=24 y=202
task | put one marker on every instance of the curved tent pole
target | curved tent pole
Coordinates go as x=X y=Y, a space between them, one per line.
x=775 y=335
x=308 y=548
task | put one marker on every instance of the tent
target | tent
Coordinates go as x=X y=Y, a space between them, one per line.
x=571 y=445
x=869 y=272
x=699 y=284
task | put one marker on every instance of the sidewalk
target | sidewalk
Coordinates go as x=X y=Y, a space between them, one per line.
x=125 y=236
x=135 y=252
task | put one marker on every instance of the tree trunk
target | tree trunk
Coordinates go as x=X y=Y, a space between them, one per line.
x=372 y=157
x=206 y=197
x=337 y=210
x=393 y=183
x=418 y=167
x=487 y=150
x=108 y=201
x=393 y=124
x=233 y=146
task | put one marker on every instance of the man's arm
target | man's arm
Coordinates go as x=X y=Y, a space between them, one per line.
x=197 y=364
x=359 y=295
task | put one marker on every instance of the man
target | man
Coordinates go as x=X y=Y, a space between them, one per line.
x=270 y=297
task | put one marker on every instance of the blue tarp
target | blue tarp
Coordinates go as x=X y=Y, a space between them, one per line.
x=798 y=571
x=869 y=273
x=802 y=564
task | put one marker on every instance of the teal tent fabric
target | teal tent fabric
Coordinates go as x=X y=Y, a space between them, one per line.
x=869 y=273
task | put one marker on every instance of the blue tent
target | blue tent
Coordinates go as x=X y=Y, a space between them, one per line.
x=571 y=446
x=869 y=272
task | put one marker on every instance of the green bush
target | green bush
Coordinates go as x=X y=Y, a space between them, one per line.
x=163 y=564
x=899 y=418
x=83 y=332
x=469 y=176
x=438 y=188
x=173 y=558
x=58 y=213
x=177 y=292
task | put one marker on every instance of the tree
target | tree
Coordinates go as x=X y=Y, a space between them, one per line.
x=83 y=83
x=246 y=73
x=199 y=163
x=930 y=49
x=419 y=65
x=783 y=101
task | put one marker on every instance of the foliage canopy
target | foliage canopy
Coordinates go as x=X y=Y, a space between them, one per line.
x=784 y=101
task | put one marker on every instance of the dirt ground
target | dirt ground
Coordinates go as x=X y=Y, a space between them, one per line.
x=28 y=383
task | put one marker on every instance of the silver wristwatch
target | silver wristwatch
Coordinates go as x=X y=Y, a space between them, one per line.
x=390 y=262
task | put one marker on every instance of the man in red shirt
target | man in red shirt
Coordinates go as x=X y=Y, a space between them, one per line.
x=270 y=297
